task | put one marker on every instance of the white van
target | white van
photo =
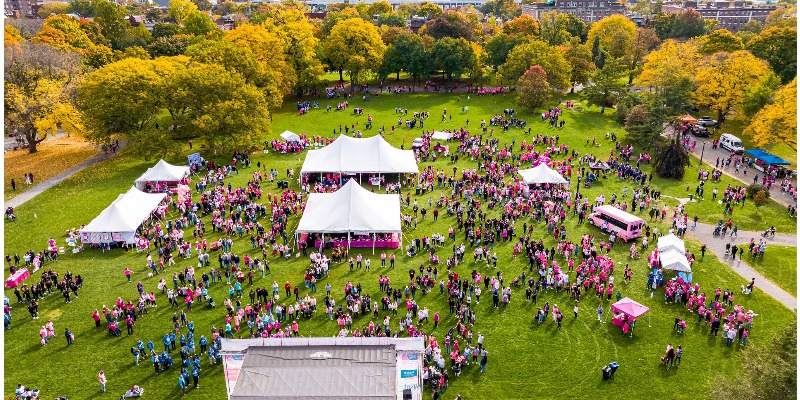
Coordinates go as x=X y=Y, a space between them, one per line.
x=731 y=143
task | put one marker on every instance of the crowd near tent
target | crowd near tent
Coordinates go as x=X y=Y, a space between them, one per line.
x=439 y=135
x=290 y=136
x=162 y=172
x=351 y=209
x=367 y=155
x=541 y=174
x=120 y=220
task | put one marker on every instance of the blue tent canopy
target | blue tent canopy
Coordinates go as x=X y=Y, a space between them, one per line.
x=766 y=157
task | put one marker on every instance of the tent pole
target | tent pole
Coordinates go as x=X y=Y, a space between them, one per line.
x=373 y=243
x=348 y=240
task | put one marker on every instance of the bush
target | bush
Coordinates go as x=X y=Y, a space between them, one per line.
x=753 y=189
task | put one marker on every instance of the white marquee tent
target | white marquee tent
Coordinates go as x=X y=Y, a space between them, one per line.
x=351 y=209
x=541 y=174
x=674 y=260
x=368 y=155
x=119 y=221
x=162 y=172
x=439 y=135
x=290 y=136
x=671 y=242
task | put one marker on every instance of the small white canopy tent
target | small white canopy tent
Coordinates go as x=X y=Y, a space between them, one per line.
x=369 y=155
x=439 y=135
x=674 y=260
x=541 y=174
x=162 y=172
x=290 y=136
x=351 y=209
x=671 y=242
x=119 y=221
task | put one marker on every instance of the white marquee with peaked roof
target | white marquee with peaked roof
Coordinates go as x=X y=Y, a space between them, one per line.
x=119 y=221
x=541 y=174
x=351 y=209
x=367 y=155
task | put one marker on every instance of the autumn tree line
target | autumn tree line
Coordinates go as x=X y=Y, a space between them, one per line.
x=188 y=79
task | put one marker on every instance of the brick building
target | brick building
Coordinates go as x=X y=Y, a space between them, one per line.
x=731 y=15
x=586 y=10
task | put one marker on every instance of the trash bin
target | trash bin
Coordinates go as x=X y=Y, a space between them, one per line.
x=418 y=190
x=606 y=372
x=613 y=367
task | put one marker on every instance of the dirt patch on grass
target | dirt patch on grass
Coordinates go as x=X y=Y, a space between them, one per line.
x=54 y=157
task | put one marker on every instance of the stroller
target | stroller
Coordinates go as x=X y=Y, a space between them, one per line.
x=210 y=302
x=135 y=391
x=113 y=330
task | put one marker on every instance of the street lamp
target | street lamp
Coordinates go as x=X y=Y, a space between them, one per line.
x=702 y=152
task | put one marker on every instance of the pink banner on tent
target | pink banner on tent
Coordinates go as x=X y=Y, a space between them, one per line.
x=630 y=308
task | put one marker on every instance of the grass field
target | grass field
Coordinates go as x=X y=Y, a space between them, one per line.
x=526 y=360
x=54 y=156
x=779 y=265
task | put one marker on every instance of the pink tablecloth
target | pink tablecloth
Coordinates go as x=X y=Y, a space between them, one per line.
x=389 y=244
x=17 y=278
x=618 y=322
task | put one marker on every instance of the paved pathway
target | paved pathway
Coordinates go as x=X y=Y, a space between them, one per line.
x=22 y=198
x=716 y=244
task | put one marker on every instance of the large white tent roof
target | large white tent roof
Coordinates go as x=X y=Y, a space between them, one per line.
x=674 y=260
x=347 y=154
x=163 y=172
x=351 y=209
x=126 y=213
x=541 y=174
x=671 y=242
x=290 y=136
x=439 y=135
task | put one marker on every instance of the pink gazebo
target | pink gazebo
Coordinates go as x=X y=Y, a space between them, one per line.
x=629 y=308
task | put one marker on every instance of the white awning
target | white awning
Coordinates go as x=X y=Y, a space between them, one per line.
x=162 y=172
x=671 y=242
x=124 y=215
x=674 y=260
x=290 y=136
x=439 y=135
x=351 y=209
x=541 y=174
x=368 y=155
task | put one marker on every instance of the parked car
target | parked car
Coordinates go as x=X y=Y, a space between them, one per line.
x=706 y=121
x=700 y=131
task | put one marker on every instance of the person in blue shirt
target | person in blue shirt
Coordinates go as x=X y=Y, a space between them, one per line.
x=172 y=340
x=203 y=344
x=182 y=385
x=182 y=341
x=190 y=326
x=211 y=355
x=68 y=334
x=150 y=345
x=196 y=377
x=166 y=341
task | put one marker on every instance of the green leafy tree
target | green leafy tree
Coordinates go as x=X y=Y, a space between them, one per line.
x=759 y=95
x=84 y=8
x=641 y=127
x=769 y=369
x=536 y=52
x=333 y=18
x=168 y=46
x=553 y=28
x=203 y=5
x=670 y=160
x=392 y=19
x=760 y=199
x=453 y=56
x=534 y=90
x=112 y=21
x=354 y=45
x=579 y=58
x=165 y=30
x=688 y=24
x=778 y=47
x=499 y=46
x=407 y=50
x=607 y=85
x=200 y=24
x=450 y=24
x=430 y=10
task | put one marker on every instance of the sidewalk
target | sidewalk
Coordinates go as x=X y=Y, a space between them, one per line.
x=49 y=183
x=716 y=244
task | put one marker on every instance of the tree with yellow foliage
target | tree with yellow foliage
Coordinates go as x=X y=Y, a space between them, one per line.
x=11 y=35
x=180 y=10
x=616 y=34
x=670 y=71
x=39 y=82
x=524 y=25
x=722 y=80
x=777 y=122
x=355 y=46
x=296 y=33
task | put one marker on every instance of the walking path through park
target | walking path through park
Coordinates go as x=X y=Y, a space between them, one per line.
x=716 y=244
x=22 y=198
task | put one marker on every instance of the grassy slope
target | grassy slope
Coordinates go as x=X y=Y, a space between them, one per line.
x=521 y=353
x=779 y=265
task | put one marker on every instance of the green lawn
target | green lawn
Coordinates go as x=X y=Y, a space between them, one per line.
x=522 y=353
x=779 y=265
